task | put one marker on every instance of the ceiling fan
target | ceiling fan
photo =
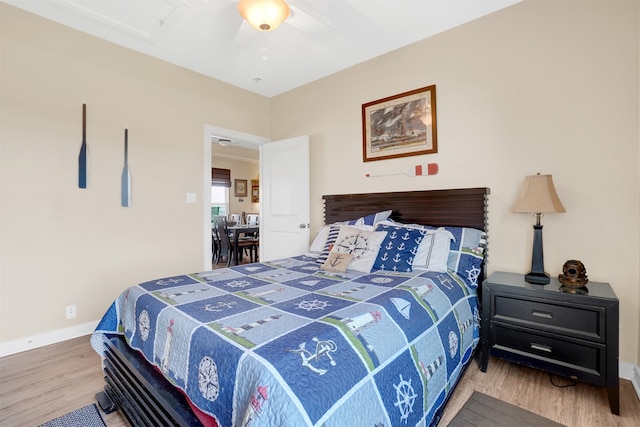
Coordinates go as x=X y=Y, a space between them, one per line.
x=264 y=15
x=308 y=19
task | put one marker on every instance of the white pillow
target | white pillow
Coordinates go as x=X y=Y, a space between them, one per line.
x=433 y=251
x=363 y=245
x=317 y=245
x=371 y=220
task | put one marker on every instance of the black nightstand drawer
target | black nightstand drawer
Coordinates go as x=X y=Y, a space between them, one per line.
x=587 y=322
x=573 y=334
x=584 y=360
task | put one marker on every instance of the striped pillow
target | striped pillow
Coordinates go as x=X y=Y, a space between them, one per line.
x=332 y=235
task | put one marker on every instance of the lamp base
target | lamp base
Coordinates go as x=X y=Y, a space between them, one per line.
x=537 y=278
x=537 y=274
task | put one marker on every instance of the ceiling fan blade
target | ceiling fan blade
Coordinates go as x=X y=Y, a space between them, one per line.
x=246 y=35
x=309 y=25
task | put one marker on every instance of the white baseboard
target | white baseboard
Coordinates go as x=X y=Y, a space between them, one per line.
x=625 y=370
x=29 y=343
x=631 y=372
x=636 y=379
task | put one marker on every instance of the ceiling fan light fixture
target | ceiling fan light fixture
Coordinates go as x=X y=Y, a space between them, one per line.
x=264 y=15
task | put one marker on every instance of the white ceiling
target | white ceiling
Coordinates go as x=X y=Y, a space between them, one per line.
x=320 y=37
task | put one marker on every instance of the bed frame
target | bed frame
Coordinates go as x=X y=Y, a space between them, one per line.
x=457 y=208
x=147 y=399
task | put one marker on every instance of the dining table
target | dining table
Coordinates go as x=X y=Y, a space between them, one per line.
x=235 y=231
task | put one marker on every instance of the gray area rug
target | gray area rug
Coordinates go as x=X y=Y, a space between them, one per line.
x=89 y=416
x=486 y=411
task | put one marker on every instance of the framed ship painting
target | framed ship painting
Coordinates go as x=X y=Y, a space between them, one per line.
x=401 y=125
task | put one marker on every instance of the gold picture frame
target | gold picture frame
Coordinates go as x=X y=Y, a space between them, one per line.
x=401 y=125
x=240 y=188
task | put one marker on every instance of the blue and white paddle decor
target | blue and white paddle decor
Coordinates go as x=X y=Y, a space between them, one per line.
x=82 y=158
x=125 y=198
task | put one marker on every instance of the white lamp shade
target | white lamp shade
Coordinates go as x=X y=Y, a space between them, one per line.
x=264 y=15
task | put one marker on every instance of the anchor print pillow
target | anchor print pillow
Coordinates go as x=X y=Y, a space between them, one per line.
x=433 y=252
x=337 y=262
x=363 y=245
x=399 y=248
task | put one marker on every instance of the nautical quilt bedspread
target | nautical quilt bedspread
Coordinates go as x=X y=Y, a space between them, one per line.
x=284 y=343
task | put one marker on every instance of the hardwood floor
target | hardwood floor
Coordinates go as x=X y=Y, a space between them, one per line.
x=39 y=385
x=223 y=262
x=583 y=405
x=45 y=383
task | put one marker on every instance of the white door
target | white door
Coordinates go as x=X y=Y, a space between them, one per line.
x=284 y=198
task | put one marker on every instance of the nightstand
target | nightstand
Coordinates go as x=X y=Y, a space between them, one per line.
x=569 y=334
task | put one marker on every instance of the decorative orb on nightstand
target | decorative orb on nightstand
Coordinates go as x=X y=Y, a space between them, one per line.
x=574 y=274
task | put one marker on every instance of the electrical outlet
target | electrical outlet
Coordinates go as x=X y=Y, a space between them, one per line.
x=71 y=311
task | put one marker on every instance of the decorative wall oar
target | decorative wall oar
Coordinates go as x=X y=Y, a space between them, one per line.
x=125 y=188
x=417 y=170
x=82 y=158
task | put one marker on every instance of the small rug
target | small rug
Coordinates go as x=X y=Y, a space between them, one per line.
x=89 y=416
x=486 y=411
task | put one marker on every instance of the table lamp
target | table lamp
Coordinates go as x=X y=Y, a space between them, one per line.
x=538 y=196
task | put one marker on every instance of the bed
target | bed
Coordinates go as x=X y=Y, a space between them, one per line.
x=334 y=337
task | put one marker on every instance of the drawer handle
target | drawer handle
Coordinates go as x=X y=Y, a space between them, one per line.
x=541 y=347
x=543 y=314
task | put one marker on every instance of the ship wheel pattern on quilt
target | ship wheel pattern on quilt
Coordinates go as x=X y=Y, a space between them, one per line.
x=405 y=397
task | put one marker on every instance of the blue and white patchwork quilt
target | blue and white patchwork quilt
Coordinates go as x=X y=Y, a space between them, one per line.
x=283 y=343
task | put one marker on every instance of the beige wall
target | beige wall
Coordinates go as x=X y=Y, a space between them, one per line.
x=548 y=87
x=243 y=164
x=61 y=245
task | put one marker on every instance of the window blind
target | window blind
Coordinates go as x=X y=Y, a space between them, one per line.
x=220 y=177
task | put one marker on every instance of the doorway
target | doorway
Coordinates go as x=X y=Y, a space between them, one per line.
x=213 y=135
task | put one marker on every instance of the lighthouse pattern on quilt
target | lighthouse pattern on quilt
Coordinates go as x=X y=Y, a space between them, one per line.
x=263 y=294
x=359 y=323
x=175 y=295
x=347 y=292
x=255 y=407
x=431 y=368
x=248 y=326
x=423 y=290
x=164 y=362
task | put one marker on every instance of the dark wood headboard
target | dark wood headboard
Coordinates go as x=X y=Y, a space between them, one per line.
x=465 y=207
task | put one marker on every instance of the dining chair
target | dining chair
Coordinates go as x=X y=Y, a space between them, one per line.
x=251 y=241
x=227 y=248
x=237 y=218
x=253 y=219
x=215 y=243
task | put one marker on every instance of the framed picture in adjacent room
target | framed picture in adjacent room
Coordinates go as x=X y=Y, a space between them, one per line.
x=240 y=188
x=401 y=125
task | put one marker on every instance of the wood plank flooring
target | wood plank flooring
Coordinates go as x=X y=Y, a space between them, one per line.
x=45 y=383
x=583 y=405
x=41 y=384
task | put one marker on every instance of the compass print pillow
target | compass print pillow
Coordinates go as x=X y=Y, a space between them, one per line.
x=363 y=245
